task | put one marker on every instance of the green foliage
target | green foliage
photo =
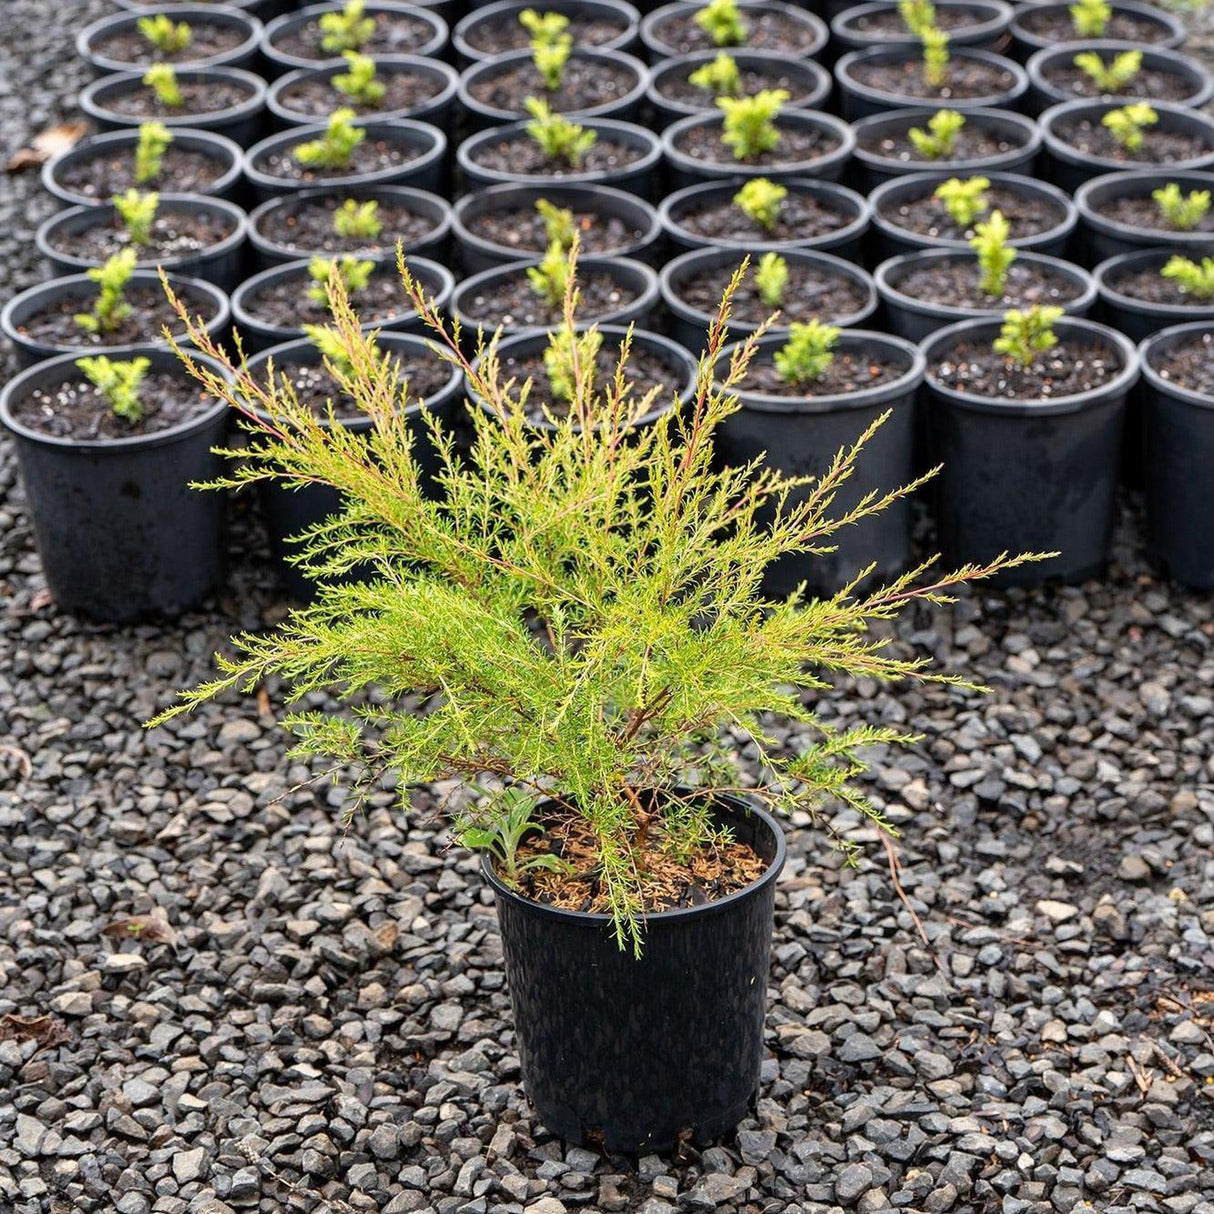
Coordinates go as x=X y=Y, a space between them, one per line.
x=1126 y=124
x=995 y=255
x=1192 y=278
x=917 y=15
x=347 y=30
x=154 y=141
x=1179 y=211
x=110 y=308
x=355 y=220
x=940 y=138
x=559 y=226
x=558 y=138
x=761 y=200
x=720 y=77
x=162 y=80
x=328 y=341
x=550 y=278
x=808 y=353
x=160 y=31
x=1027 y=333
x=550 y=58
x=118 y=382
x=353 y=274
x=334 y=148
x=1090 y=17
x=359 y=82
x=1109 y=77
x=502 y=833
x=570 y=356
x=545 y=29
x=749 y=126
x=722 y=21
x=964 y=200
x=771 y=277
x=137 y=212
x=935 y=57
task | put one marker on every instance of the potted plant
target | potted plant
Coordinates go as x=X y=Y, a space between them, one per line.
x=1039 y=26
x=761 y=25
x=1121 y=212
x=108 y=449
x=638 y=1017
x=981 y=24
x=490 y=29
x=197 y=35
x=1153 y=289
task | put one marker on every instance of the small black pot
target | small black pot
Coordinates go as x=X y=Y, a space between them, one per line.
x=463 y=36
x=1179 y=453
x=1070 y=168
x=257 y=334
x=426 y=171
x=888 y=239
x=1102 y=238
x=242 y=55
x=220 y=264
x=858 y=101
x=1026 y=44
x=476 y=254
x=689 y=325
x=637 y=177
x=240 y=123
x=119 y=531
x=634 y=1054
x=223 y=151
x=916 y=319
x=435 y=109
x=1042 y=94
x=808 y=82
x=801 y=436
x=658 y=49
x=684 y=170
x=1139 y=319
x=986 y=31
x=261 y=9
x=216 y=312
x=845 y=241
x=870 y=166
x=1028 y=476
x=267 y=253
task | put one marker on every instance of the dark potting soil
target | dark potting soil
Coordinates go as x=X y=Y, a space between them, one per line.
x=954 y=283
x=798 y=145
x=315 y=387
x=1026 y=214
x=403 y=90
x=1055 y=25
x=967 y=79
x=370 y=156
x=511 y=301
x=675 y=86
x=522 y=156
x=974 y=142
x=848 y=372
x=1158 y=147
x=522 y=230
x=103 y=175
x=1150 y=286
x=507 y=34
x=801 y=217
x=765 y=31
x=308 y=227
x=811 y=291
x=206 y=40
x=198 y=97
x=174 y=234
x=1142 y=211
x=395 y=34
x=1188 y=364
x=888 y=22
x=150 y=312
x=1150 y=83
x=284 y=302
x=587 y=83
x=1066 y=370
x=75 y=409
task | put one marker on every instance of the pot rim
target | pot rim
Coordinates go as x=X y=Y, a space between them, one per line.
x=1140 y=236
x=910 y=115
x=459 y=33
x=1033 y=42
x=743 y=58
x=1001 y=16
x=226 y=15
x=1119 y=260
x=115 y=82
x=1151 y=345
x=664 y=50
x=1068 y=153
x=1006 y=97
x=302 y=16
x=1181 y=64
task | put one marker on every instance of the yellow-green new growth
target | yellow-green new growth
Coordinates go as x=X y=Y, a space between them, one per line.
x=935 y=56
x=559 y=226
x=571 y=357
x=749 y=126
x=328 y=342
x=720 y=77
x=547 y=28
x=350 y=29
x=1090 y=17
x=1181 y=212
x=917 y=15
x=1109 y=77
x=550 y=278
x=722 y=21
x=154 y=140
x=118 y=382
x=355 y=220
x=162 y=80
x=110 y=308
x=1025 y=334
x=1126 y=124
x=761 y=200
x=359 y=82
x=550 y=59
x=808 y=352
x=995 y=255
x=1193 y=278
x=771 y=279
x=940 y=138
x=334 y=148
x=137 y=213
x=964 y=200
x=353 y=273
x=161 y=32
x=558 y=138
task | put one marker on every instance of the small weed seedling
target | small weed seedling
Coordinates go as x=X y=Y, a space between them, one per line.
x=940 y=138
x=558 y=138
x=722 y=21
x=1126 y=124
x=1192 y=278
x=550 y=278
x=162 y=80
x=808 y=353
x=355 y=220
x=761 y=200
x=161 y=32
x=1026 y=334
x=546 y=29
x=917 y=15
x=353 y=272
x=348 y=30
x=1090 y=17
x=118 y=382
x=550 y=59
x=359 y=82
x=335 y=147
x=110 y=308
x=1180 y=212
x=503 y=838
x=750 y=126
x=720 y=77
x=935 y=57
x=565 y=355
x=995 y=255
x=559 y=226
x=771 y=279
x=154 y=141
x=137 y=213
x=964 y=200
x=1109 y=77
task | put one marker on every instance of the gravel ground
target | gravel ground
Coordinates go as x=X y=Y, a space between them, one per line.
x=210 y=1001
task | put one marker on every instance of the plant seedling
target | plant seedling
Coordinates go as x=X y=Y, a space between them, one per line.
x=995 y=255
x=353 y=273
x=348 y=30
x=118 y=382
x=1027 y=333
x=359 y=82
x=917 y=15
x=935 y=57
x=559 y=226
x=722 y=21
x=154 y=141
x=964 y=200
x=546 y=28
x=1126 y=124
x=566 y=354
x=720 y=77
x=110 y=308
x=161 y=32
x=1090 y=17
x=550 y=278
x=1181 y=212
x=808 y=353
x=502 y=837
x=333 y=149
x=940 y=138
x=1193 y=278
x=355 y=220
x=137 y=212
x=761 y=200
x=749 y=127
x=162 y=80
x=550 y=59
x=558 y=138
x=1109 y=77
x=771 y=278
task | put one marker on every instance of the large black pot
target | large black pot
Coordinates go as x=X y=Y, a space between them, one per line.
x=1101 y=237
x=119 y=531
x=1032 y=475
x=814 y=30
x=464 y=37
x=93 y=37
x=1140 y=318
x=985 y=31
x=634 y=1054
x=1025 y=43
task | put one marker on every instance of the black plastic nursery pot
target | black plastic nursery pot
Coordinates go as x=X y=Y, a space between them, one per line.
x=220 y=263
x=1168 y=31
x=917 y=319
x=637 y=1054
x=1028 y=475
x=1102 y=235
x=477 y=35
x=261 y=9
x=1178 y=425
x=240 y=29
x=981 y=24
x=811 y=34
x=67 y=177
x=241 y=122
x=890 y=239
x=608 y=205
x=119 y=531
x=1140 y=318
x=1070 y=167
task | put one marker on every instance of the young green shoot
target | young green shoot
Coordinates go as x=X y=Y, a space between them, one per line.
x=1090 y=17
x=355 y=220
x=334 y=148
x=514 y=821
x=760 y=200
x=721 y=77
x=808 y=353
x=550 y=278
x=110 y=308
x=137 y=213
x=1181 y=212
x=1109 y=77
x=935 y=56
x=162 y=80
x=353 y=273
x=163 y=34
x=550 y=59
x=1027 y=333
x=558 y=138
x=154 y=140
x=544 y=29
x=749 y=126
x=771 y=279
x=559 y=226
x=917 y=15
x=940 y=138
x=1127 y=123
x=359 y=82
x=1193 y=278
x=118 y=382
x=570 y=356
x=722 y=21
x=995 y=255
x=965 y=200
x=350 y=29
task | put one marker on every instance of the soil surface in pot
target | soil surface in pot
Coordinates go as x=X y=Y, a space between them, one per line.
x=1055 y=25
x=765 y=31
x=1091 y=138
x=370 y=156
x=315 y=387
x=967 y=79
x=395 y=34
x=75 y=409
x=174 y=234
x=54 y=325
x=1066 y=370
x=197 y=97
x=284 y=302
x=801 y=217
x=182 y=171
x=1142 y=211
x=206 y=41
x=811 y=291
x=505 y=33
x=586 y=84
x=848 y=372
x=521 y=156
x=1188 y=364
x=974 y=142
x=955 y=284
x=1026 y=214
x=308 y=227
x=511 y=301
x=522 y=229
x=1150 y=83
x=798 y=145
x=403 y=90
x=1150 y=286
x=676 y=87
x=888 y=22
